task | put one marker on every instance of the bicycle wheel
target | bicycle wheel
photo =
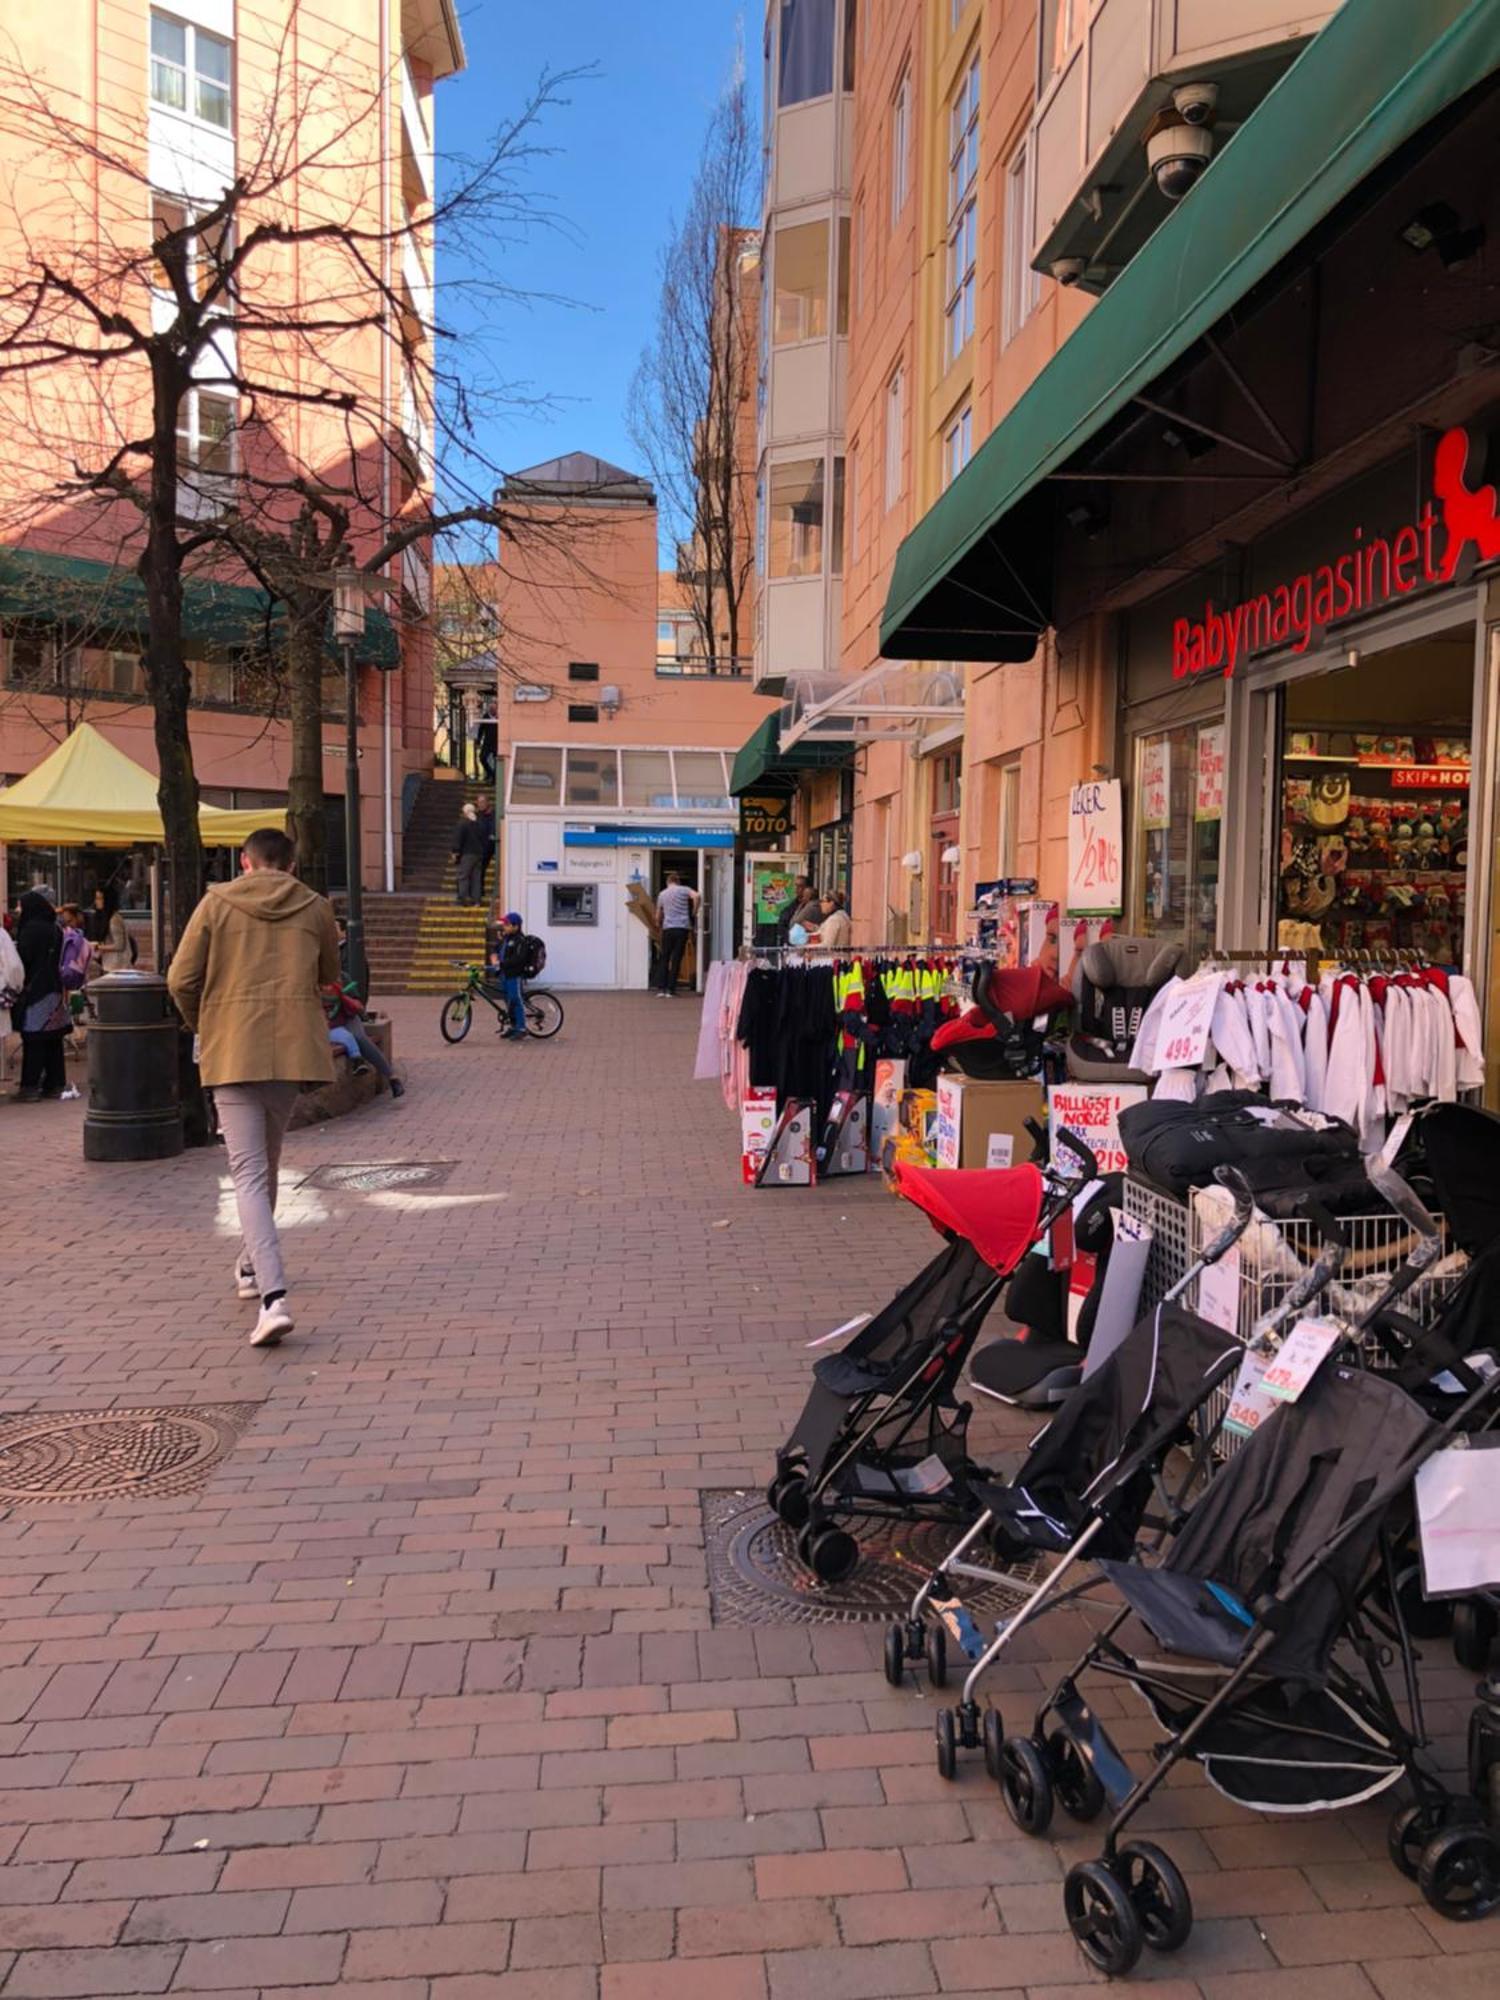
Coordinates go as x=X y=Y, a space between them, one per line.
x=457 y=1017
x=544 y=1015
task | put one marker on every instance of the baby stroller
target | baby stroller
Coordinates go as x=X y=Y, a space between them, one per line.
x=1276 y=1565
x=1002 y=1035
x=882 y=1433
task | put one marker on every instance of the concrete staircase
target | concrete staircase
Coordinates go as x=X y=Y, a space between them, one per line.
x=414 y=937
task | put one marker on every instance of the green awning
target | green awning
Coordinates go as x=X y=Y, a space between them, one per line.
x=970 y=580
x=760 y=757
x=106 y=606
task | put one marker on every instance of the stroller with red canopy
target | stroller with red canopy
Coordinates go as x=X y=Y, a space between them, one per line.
x=1002 y=1035
x=882 y=1433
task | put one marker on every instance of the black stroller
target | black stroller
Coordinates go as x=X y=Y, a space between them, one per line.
x=882 y=1434
x=1277 y=1588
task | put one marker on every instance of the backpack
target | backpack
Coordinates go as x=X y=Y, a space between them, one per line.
x=73 y=965
x=534 y=957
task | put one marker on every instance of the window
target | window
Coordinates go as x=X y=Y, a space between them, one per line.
x=836 y=522
x=1009 y=815
x=583 y=670
x=1061 y=32
x=956 y=9
x=851 y=36
x=800 y=275
x=536 y=775
x=593 y=779
x=205 y=450
x=35 y=660
x=702 y=785
x=796 y=518
x=124 y=675
x=895 y=440
x=583 y=711
x=806 y=66
x=212 y=682
x=201 y=255
x=841 y=322
x=963 y=213
x=1175 y=872
x=572 y=903
x=646 y=780
x=189 y=70
x=958 y=444
x=1022 y=285
x=901 y=146
x=666 y=641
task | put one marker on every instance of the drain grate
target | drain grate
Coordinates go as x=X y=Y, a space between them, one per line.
x=116 y=1454
x=382 y=1174
x=755 y=1578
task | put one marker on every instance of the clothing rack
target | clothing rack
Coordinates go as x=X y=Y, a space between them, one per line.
x=1400 y=957
x=966 y=954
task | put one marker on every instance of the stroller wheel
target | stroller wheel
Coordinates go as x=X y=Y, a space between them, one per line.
x=1411 y=1829
x=830 y=1553
x=1025 y=1785
x=1474 y=1626
x=947 y=1744
x=895 y=1654
x=1102 y=1917
x=1158 y=1893
x=936 y=1652
x=992 y=1735
x=1460 y=1873
x=1073 y=1778
x=787 y=1498
x=1423 y=1617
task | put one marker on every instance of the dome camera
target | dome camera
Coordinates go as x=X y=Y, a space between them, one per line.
x=1196 y=102
x=1177 y=155
x=1068 y=270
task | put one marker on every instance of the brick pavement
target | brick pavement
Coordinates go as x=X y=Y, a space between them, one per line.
x=420 y=1699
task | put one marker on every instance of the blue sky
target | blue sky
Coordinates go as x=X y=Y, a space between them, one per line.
x=625 y=149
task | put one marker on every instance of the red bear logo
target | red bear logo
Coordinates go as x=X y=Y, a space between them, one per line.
x=1470 y=517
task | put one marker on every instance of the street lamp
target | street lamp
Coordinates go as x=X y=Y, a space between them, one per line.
x=349 y=588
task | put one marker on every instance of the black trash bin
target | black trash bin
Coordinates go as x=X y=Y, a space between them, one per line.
x=135 y=1108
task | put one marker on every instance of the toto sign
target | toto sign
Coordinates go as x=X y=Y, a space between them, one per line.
x=1459 y=522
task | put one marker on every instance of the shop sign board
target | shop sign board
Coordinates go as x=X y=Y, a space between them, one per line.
x=576 y=834
x=1431 y=777
x=1458 y=525
x=1209 y=797
x=1156 y=783
x=1094 y=1114
x=1095 y=844
x=765 y=815
x=770 y=880
x=1187 y=1014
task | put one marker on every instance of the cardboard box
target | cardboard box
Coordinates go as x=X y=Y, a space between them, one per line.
x=885 y=1105
x=757 y=1123
x=983 y=1124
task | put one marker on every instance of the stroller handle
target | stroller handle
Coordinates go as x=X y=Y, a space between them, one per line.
x=1400 y=1195
x=1244 y=1208
x=1081 y=1151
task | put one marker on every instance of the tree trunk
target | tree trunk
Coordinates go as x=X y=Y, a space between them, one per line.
x=306 y=818
x=165 y=662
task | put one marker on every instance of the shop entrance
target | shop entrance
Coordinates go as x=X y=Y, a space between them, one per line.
x=947 y=782
x=685 y=862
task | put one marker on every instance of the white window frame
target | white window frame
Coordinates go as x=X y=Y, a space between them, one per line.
x=201 y=493
x=958 y=444
x=895 y=436
x=190 y=73
x=901 y=145
x=1008 y=819
x=1023 y=285
x=963 y=214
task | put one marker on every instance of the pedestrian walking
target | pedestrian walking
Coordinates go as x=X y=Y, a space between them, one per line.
x=485 y=821
x=486 y=742
x=248 y=977
x=468 y=851
x=676 y=907
x=105 y=929
x=40 y=1015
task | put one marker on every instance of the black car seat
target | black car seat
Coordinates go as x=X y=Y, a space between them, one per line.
x=1036 y=1368
x=1118 y=978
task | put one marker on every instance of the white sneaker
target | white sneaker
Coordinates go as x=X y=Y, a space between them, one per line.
x=274 y=1321
x=244 y=1281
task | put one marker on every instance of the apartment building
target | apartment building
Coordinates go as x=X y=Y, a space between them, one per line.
x=154 y=111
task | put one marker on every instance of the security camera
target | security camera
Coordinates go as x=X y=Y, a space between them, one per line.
x=1068 y=270
x=1177 y=155
x=1196 y=102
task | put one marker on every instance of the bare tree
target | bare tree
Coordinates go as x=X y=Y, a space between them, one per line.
x=691 y=400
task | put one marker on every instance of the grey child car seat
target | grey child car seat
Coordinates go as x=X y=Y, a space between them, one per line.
x=1117 y=979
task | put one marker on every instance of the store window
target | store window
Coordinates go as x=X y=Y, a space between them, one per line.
x=963 y=213
x=593 y=778
x=536 y=775
x=796 y=518
x=800 y=273
x=572 y=903
x=646 y=780
x=1178 y=810
x=1023 y=286
x=806 y=51
x=702 y=783
x=900 y=146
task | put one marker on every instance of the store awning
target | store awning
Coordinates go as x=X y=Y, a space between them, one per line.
x=761 y=757
x=972 y=579
x=105 y=606
x=89 y=793
x=891 y=703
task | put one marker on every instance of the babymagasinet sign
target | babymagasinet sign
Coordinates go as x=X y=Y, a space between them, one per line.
x=1095 y=873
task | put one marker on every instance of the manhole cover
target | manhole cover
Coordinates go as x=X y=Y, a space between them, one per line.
x=115 y=1454
x=755 y=1578
x=382 y=1174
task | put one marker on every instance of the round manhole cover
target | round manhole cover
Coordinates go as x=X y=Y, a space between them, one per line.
x=114 y=1454
x=756 y=1578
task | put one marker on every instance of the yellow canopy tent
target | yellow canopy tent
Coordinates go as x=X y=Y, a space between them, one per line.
x=89 y=793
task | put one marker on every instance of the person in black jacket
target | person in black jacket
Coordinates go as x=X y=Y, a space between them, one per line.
x=40 y=1014
x=509 y=957
x=469 y=844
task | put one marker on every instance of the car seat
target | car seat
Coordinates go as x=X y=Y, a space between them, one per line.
x=1118 y=978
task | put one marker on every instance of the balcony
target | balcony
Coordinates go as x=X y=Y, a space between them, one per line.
x=695 y=667
x=416 y=140
x=1097 y=200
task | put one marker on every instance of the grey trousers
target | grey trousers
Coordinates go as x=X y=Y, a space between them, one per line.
x=253 y=1118
x=470 y=878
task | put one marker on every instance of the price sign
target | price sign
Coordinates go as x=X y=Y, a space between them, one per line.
x=1095 y=1116
x=1156 y=783
x=1302 y=1353
x=1219 y=1291
x=1250 y=1401
x=1209 y=795
x=1186 y=1017
x=1095 y=844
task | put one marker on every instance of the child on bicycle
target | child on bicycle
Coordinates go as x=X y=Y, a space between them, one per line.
x=507 y=957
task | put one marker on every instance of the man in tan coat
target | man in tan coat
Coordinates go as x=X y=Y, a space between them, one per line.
x=246 y=977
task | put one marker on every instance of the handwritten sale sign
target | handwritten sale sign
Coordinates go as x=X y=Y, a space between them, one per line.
x=1094 y=1114
x=1156 y=783
x=1095 y=845
x=1187 y=1014
x=1208 y=797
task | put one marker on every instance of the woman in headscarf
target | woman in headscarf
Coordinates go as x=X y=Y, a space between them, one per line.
x=40 y=1016
x=105 y=930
